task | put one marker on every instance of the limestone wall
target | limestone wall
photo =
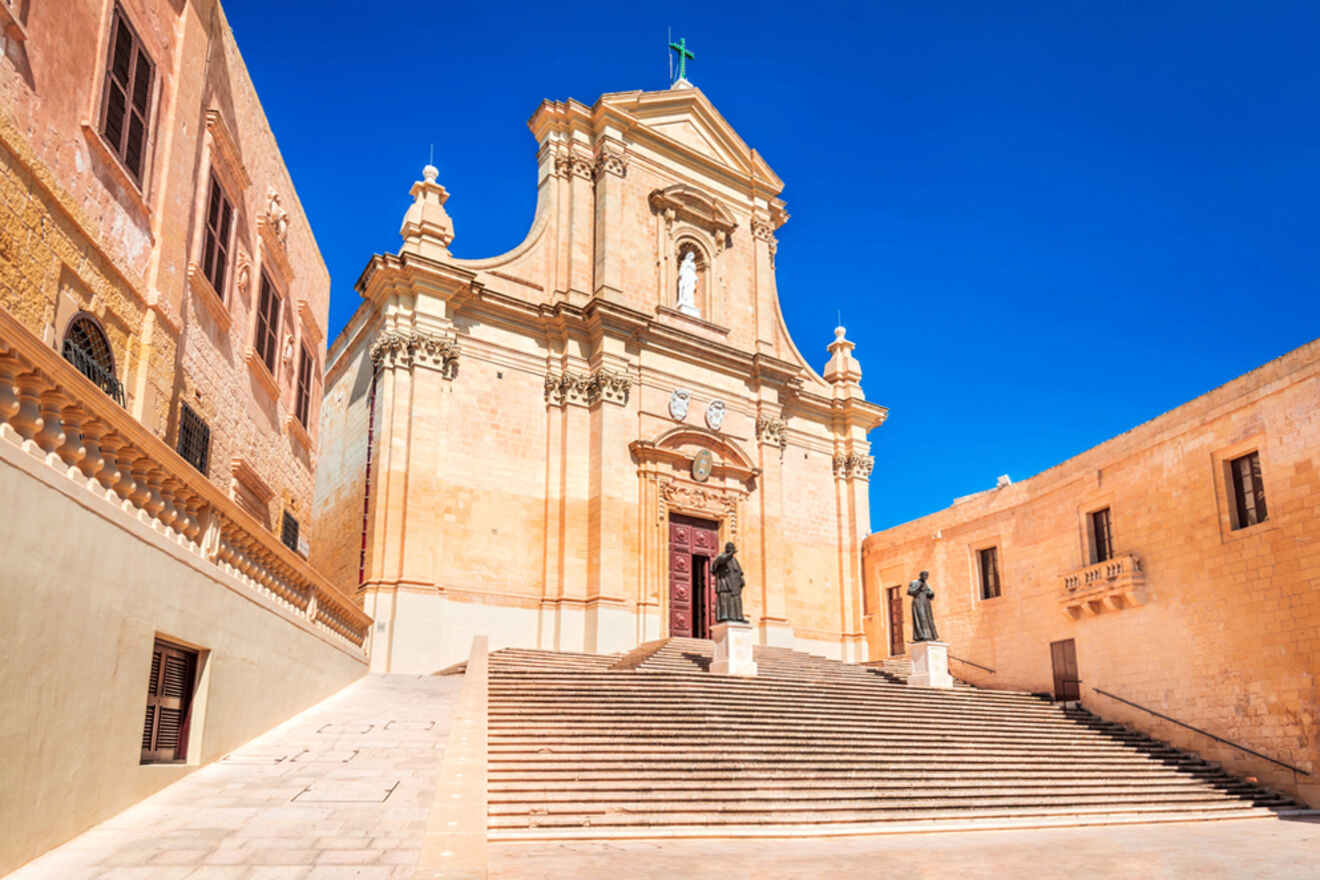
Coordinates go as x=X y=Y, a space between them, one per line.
x=80 y=616
x=1223 y=635
x=79 y=234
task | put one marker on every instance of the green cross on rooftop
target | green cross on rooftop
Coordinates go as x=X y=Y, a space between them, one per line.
x=683 y=55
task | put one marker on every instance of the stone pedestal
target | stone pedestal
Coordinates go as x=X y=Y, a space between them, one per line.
x=733 y=649
x=930 y=665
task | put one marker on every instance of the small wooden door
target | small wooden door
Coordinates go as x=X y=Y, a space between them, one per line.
x=896 y=646
x=692 y=544
x=1063 y=656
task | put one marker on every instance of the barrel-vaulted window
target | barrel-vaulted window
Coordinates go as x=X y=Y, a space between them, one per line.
x=86 y=347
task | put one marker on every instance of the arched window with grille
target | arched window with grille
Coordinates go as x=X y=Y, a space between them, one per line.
x=86 y=347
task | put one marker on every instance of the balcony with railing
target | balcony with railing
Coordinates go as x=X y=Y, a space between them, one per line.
x=1111 y=585
x=51 y=410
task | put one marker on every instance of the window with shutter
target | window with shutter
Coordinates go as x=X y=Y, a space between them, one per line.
x=1248 y=491
x=304 y=386
x=989 y=558
x=268 y=324
x=215 y=254
x=126 y=104
x=1102 y=542
x=169 y=703
x=194 y=438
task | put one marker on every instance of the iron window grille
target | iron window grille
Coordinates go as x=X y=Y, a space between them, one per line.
x=86 y=347
x=289 y=532
x=194 y=439
x=126 y=110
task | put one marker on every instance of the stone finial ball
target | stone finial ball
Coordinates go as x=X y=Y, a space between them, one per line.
x=430 y=173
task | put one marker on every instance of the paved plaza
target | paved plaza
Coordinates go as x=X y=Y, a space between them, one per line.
x=342 y=790
x=1251 y=849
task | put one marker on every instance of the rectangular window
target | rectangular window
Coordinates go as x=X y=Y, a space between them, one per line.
x=268 y=324
x=169 y=703
x=126 y=110
x=1102 y=541
x=304 y=386
x=215 y=256
x=289 y=532
x=989 y=572
x=1248 y=491
x=194 y=439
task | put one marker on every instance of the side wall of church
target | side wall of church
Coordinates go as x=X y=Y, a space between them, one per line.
x=1224 y=633
x=341 y=477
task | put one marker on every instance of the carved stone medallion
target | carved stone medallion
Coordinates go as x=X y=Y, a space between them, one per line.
x=678 y=403
x=702 y=462
x=715 y=414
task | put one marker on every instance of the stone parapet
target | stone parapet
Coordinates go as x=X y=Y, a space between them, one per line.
x=1113 y=584
x=54 y=413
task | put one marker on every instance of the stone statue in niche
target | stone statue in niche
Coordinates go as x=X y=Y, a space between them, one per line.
x=923 y=616
x=687 y=284
x=729 y=585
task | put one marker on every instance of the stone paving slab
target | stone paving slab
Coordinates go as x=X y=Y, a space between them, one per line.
x=342 y=790
x=1252 y=849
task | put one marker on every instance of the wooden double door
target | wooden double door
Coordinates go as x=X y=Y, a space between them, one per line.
x=693 y=543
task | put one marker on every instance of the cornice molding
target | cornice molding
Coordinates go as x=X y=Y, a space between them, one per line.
x=691 y=204
x=226 y=151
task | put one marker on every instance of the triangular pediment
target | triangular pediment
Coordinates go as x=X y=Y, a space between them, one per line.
x=685 y=118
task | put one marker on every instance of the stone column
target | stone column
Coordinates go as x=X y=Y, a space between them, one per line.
x=775 y=628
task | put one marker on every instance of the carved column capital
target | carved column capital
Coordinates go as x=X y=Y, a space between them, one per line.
x=610 y=162
x=395 y=349
x=587 y=389
x=770 y=430
x=853 y=465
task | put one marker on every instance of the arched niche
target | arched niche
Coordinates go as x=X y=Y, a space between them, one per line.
x=689 y=221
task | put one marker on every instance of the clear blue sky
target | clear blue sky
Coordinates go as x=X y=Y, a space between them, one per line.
x=1043 y=223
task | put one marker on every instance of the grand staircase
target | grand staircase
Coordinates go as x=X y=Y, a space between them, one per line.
x=650 y=744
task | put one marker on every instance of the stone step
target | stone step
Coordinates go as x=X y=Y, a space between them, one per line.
x=507 y=794
x=633 y=791
x=855 y=763
x=843 y=817
x=920 y=775
x=967 y=820
x=917 y=801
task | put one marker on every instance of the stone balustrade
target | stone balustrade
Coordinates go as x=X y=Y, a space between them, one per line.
x=53 y=412
x=1111 y=585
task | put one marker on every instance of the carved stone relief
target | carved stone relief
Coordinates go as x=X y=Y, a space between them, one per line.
x=715 y=415
x=716 y=503
x=587 y=389
x=678 y=403
x=854 y=465
x=770 y=430
x=396 y=349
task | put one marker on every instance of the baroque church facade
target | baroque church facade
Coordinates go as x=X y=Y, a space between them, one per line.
x=549 y=446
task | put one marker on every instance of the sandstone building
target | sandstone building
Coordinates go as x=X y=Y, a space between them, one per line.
x=550 y=445
x=162 y=319
x=1175 y=567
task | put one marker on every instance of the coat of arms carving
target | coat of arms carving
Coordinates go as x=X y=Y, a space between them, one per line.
x=678 y=403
